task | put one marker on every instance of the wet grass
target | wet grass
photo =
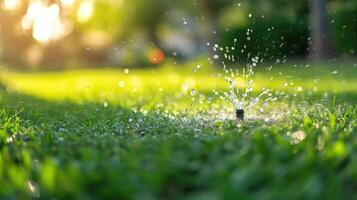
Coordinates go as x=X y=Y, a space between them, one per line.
x=105 y=134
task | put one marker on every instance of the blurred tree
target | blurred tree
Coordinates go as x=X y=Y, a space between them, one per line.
x=12 y=41
x=272 y=30
x=344 y=24
x=101 y=30
x=213 y=10
x=322 y=45
x=21 y=45
x=123 y=21
x=146 y=16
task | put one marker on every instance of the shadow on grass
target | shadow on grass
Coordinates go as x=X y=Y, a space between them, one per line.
x=88 y=150
x=84 y=151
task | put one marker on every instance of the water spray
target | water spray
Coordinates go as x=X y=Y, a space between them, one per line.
x=241 y=99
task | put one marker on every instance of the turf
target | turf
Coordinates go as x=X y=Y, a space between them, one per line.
x=153 y=134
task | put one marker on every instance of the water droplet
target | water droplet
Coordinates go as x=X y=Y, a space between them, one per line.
x=185 y=87
x=297 y=137
x=334 y=72
x=32 y=188
x=121 y=84
x=9 y=140
x=184 y=20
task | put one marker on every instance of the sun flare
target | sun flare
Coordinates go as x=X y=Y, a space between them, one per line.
x=11 y=5
x=85 y=11
x=46 y=22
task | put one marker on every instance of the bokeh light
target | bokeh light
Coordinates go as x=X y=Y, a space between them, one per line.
x=11 y=5
x=85 y=11
x=156 y=56
x=67 y=2
x=45 y=22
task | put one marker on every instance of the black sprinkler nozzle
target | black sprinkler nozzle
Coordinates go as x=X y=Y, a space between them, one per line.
x=240 y=114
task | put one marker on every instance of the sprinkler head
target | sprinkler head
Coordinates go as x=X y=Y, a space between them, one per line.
x=240 y=114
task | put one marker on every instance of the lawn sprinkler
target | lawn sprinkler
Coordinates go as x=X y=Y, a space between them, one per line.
x=240 y=114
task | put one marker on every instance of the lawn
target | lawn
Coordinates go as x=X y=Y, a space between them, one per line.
x=164 y=134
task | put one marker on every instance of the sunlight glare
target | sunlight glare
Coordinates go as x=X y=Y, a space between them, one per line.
x=45 y=22
x=44 y=28
x=34 y=11
x=67 y=2
x=85 y=11
x=11 y=5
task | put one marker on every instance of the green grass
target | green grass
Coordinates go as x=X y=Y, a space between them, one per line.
x=79 y=135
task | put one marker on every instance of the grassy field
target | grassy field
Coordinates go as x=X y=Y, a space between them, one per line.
x=164 y=134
